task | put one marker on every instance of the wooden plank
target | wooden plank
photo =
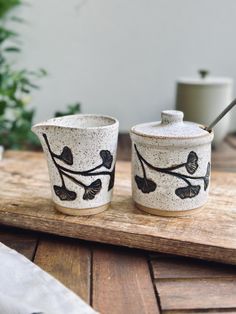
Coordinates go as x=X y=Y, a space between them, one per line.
x=224 y=156
x=166 y=267
x=22 y=242
x=209 y=234
x=184 y=275
x=189 y=294
x=210 y=311
x=122 y=283
x=67 y=260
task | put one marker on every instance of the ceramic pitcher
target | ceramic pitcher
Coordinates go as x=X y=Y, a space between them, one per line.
x=81 y=154
x=171 y=162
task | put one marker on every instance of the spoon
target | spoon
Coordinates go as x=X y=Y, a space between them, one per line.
x=220 y=116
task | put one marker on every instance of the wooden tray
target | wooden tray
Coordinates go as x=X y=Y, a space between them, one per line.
x=25 y=202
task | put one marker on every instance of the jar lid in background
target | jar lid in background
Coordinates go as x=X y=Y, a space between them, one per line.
x=205 y=79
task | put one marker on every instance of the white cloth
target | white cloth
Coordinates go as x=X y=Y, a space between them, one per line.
x=26 y=289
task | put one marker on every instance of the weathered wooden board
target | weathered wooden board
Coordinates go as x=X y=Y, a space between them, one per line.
x=198 y=294
x=173 y=268
x=23 y=242
x=122 y=282
x=67 y=260
x=187 y=285
x=210 y=234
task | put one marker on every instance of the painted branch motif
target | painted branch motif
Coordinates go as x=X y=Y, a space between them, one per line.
x=191 y=165
x=91 y=190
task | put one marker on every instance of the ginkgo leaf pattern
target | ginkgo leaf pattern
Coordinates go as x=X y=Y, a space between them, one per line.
x=145 y=185
x=67 y=156
x=107 y=158
x=112 y=179
x=93 y=189
x=188 y=191
x=64 y=194
x=207 y=176
x=192 y=164
x=90 y=190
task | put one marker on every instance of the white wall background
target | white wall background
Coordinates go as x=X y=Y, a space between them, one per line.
x=122 y=57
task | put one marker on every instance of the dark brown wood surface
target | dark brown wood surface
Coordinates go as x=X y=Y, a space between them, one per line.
x=122 y=282
x=95 y=271
x=67 y=260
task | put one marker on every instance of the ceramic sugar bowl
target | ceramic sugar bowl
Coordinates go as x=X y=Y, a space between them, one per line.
x=171 y=162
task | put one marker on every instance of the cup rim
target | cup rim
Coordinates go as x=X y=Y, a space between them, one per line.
x=51 y=122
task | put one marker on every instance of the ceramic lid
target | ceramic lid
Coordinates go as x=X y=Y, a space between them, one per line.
x=205 y=79
x=172 y=129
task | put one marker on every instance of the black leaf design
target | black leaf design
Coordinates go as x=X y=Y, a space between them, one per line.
x=112 y=179
x=207 y=176
x=145 y=185
x=93 y=189
x=192 y=164
x=89 y=191
x=67 y=156
x=189 y=191
x=64 y=194
x=107 y=158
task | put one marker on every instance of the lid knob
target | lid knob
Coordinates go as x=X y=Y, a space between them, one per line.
x=171 y=116
x=203 y=73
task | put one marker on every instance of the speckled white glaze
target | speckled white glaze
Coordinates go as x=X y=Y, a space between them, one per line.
x=167 y=144
x=85 y=136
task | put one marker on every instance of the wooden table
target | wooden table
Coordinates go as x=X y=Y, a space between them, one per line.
x=118 y=280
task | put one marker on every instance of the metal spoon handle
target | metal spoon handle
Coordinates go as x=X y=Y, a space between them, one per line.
x=220 y=116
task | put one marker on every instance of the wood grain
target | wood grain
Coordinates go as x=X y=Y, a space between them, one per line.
x=166 y=267
x=196 y=294
x=122 y=283
x=68 y=261
x=179 y=278
x=224 y=156
x=210 y=311
x=23 y=242
x=210 y=234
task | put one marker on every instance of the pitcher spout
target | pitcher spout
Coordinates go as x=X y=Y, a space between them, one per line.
x=42 y=127
x=37 y=128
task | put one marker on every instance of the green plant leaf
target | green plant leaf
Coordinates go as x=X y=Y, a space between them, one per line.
x=7 y=5
x=12 y=49
x=6 y=34
x=71 y=109
x=17 y=19
x=43 y=72
x=15 y=118
x=3 y=106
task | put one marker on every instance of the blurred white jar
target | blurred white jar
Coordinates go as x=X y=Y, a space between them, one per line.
x=233 y=121
x=202 y=99
x=1 y=152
